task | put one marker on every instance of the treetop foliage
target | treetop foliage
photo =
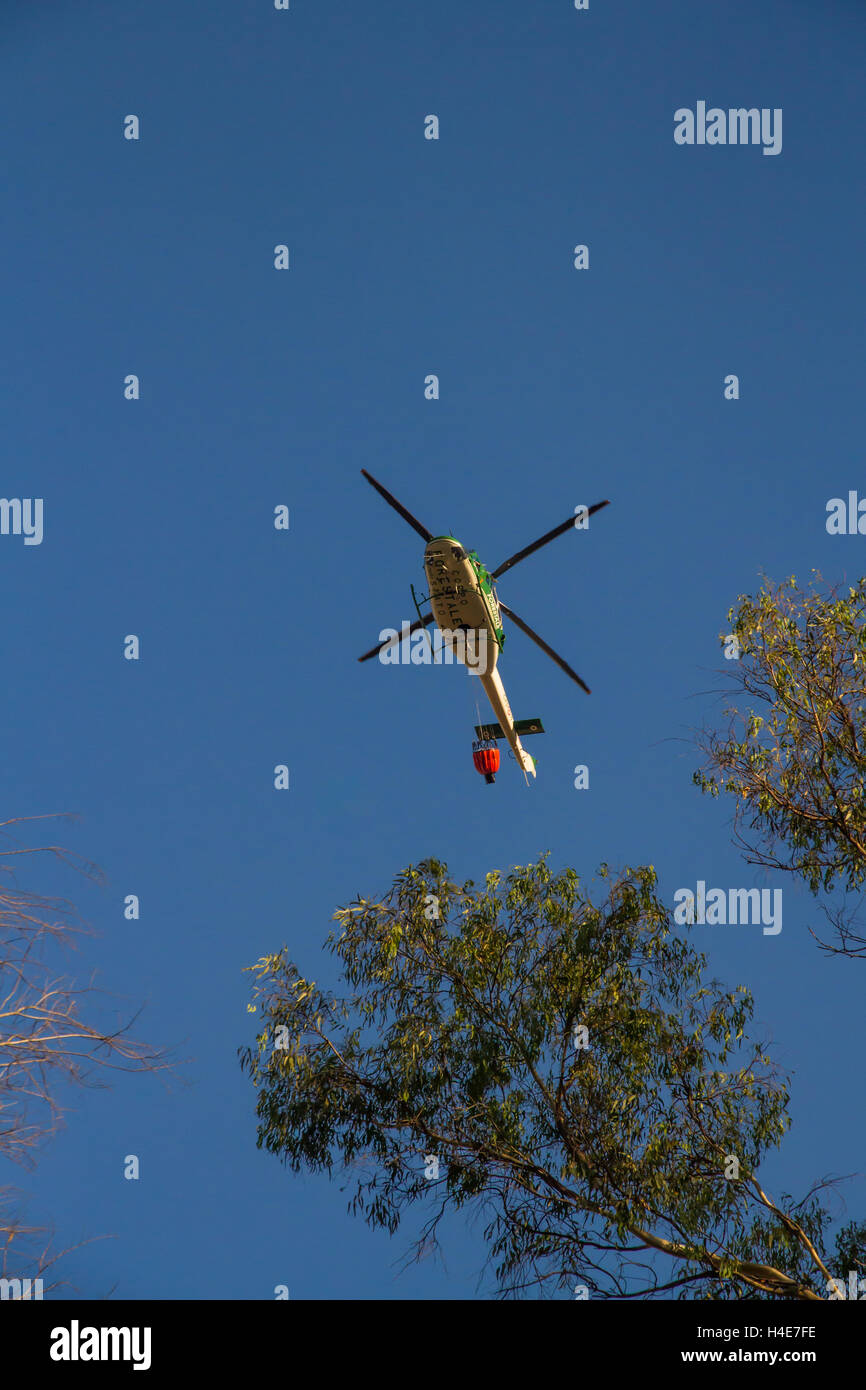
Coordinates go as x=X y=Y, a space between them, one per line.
x=560 y=1053
x=793 y=754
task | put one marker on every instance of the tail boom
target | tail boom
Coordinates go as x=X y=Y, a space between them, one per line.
x=495 y=692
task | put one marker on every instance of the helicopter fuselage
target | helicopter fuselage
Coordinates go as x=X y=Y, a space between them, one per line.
x=464 y=601
x=462 y=596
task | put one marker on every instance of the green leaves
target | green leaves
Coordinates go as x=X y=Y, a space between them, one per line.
x=558 y=1050
x=793 y=754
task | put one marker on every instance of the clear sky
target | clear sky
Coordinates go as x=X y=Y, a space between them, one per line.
x=262 y=387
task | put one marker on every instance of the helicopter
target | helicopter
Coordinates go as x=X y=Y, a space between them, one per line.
x=465 y=605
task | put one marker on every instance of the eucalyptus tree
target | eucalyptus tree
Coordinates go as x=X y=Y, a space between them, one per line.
x=791 y=750
x=552 y=1057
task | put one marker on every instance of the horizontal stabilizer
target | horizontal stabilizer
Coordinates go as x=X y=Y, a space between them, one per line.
x=521 y=726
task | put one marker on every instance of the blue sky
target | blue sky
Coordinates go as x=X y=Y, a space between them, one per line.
x=558 y=387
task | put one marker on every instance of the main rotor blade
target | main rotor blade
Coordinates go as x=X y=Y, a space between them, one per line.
x=550 y=536
x=510 y=613
x=374 y=651
x=398 y=506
